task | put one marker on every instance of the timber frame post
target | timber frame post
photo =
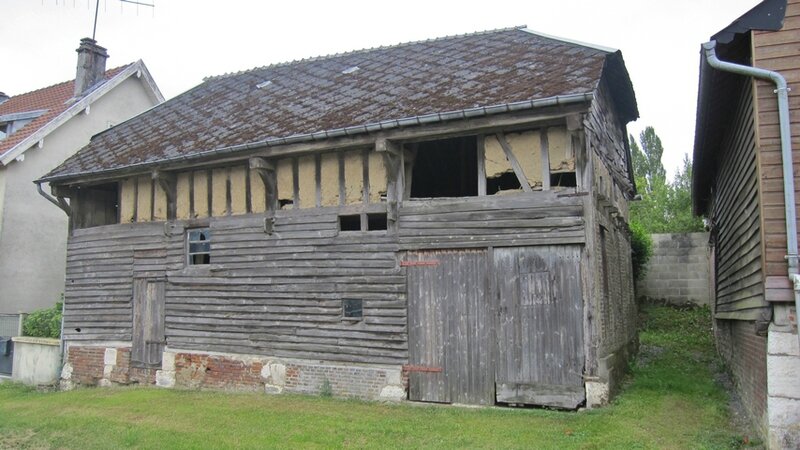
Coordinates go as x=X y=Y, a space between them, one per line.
x=392 y=159
x=169 y=184
x=267 y=172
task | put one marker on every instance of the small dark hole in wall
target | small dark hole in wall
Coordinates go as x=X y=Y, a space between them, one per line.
x=505 y=182
x=376 y=221
x=78 y=330
x=352 y=308
x=350 y=223
x=285 y=202
x=208 y=369
x=566 y=179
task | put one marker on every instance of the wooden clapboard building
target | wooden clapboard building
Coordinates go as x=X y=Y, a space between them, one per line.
x=442 y=221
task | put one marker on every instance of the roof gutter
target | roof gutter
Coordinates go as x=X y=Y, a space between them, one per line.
x=426 y=119
x=782 y=91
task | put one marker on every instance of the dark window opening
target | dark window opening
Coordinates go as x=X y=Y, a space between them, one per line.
x=350 y=223
x=565 y=179
x=376 y=222
x=505 y=182
x=352 y=308
x=199 y=246
x=94 y=206
x=446 y=168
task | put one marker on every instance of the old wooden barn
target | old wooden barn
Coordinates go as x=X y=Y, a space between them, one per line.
x=439 y=221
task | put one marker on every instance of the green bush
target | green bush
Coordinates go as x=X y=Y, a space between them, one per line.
x=641 y=249
x=44 y=323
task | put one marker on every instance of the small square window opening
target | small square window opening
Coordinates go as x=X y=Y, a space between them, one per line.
x=198 y=246
x=352 y=309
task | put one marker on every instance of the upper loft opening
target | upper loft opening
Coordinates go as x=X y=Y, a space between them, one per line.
x=446 y=168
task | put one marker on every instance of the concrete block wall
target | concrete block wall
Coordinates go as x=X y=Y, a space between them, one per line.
x=678 y=270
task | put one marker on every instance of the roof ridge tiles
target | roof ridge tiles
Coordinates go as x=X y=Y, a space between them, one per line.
x=61 y=83
x=368 y=49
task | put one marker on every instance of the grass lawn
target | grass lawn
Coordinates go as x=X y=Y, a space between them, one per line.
x=671 y=401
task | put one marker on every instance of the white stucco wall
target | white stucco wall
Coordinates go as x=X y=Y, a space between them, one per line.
x=33 y=233
x=37 y=361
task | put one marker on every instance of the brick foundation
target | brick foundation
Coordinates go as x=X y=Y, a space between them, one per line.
x=745 y=353
x=105 y=366
x=273 y=375
x=93 y=366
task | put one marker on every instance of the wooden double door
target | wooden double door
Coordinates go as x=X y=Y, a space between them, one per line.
x=496 y=326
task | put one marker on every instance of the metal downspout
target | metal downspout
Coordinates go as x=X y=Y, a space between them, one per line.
x=782 y=90
x=61 y=204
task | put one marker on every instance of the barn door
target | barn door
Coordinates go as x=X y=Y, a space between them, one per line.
x=148 y=322
x=540 y=327
x=450 y=334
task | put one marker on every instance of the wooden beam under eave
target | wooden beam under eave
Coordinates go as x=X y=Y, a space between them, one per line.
x=169 y=184
x=523 y=180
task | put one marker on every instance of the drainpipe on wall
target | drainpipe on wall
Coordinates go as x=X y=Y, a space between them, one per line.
x=782 y=90
x=60 y=202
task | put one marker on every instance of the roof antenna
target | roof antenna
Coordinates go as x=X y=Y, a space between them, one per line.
x=97 y=9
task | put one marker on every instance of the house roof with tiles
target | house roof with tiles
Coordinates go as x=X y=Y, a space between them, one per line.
x=43 y=110
x=364 y=91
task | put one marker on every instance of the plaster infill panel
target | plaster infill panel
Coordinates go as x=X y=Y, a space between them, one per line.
x=329 y=179
x=238 y=179
x=307 y=181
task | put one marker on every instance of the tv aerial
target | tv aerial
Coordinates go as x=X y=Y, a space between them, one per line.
x=97 y=10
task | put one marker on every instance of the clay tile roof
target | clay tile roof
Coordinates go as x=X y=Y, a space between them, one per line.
x=53 y=99
x=362 y=89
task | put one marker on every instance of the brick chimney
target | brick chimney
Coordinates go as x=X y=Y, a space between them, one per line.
x=91 y=66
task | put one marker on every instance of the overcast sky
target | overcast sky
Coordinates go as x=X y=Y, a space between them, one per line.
x=182 y=41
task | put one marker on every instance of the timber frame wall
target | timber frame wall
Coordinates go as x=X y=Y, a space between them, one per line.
x=278 y=276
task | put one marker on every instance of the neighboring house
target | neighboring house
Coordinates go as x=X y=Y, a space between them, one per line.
x=38 y=131
x=442 y=221
x=740 y=184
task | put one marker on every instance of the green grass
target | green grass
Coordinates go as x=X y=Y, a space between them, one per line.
x=671 y=401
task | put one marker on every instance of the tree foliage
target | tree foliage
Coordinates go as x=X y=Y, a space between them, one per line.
x=666 y=207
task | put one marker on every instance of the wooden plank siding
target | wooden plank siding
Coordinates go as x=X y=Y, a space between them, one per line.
x=735 y=212
x=280 y=294
x=777 y=51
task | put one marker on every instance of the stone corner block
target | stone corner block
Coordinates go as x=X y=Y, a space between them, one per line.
x=598 y=394
x=393 y=393
x=110 y=357
x=165 y=378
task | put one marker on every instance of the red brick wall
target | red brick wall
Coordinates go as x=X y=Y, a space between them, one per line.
x=217 y=372
x=87 y=364
x=222 y=372
x=745 y=353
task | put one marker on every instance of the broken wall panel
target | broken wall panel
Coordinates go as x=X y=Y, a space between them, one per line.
x=285 y=177
x=182 y=196
x=307 y=181
x=377 y=177
x=238 y=189
x=127 y=200
x=329 y=179
x=562 y=158
x=353 y=177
